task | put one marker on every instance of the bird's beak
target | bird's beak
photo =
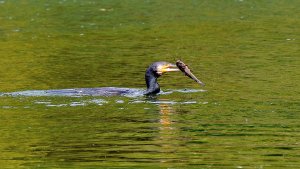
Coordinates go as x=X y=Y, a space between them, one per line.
x=169 y=67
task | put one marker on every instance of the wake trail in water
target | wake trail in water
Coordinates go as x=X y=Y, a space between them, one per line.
x=103 y=91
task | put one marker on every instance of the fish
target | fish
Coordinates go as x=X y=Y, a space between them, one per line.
x=185 y=69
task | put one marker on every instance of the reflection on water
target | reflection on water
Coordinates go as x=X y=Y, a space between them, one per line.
x=167 y=137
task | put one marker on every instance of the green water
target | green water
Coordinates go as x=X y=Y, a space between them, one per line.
x=247 y=53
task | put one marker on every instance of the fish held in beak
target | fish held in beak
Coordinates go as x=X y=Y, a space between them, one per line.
x=185 y=69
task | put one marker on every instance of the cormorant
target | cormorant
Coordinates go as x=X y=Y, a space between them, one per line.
x=154 y=71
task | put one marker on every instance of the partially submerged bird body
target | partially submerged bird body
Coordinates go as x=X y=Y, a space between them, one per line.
x=101 y=91
x=154 y=71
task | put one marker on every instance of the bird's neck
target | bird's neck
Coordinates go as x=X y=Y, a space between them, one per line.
x=152 y=85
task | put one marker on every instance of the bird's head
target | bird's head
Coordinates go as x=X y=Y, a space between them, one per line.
x=159 y=68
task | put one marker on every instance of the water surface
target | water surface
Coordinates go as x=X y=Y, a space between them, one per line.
x=247 y=53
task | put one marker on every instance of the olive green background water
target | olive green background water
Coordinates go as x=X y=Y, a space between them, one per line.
x=247 y=53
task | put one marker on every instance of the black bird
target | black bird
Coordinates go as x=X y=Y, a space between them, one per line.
x=154 y=71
